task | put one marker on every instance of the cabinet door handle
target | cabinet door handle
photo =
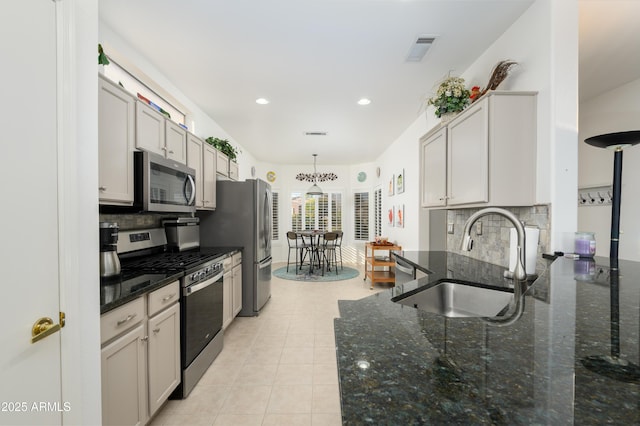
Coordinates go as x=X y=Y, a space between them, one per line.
x=164 y=148
x=156 y=330
x=126 y=320
x=144 y=339
x=167 y=298
x=170 y=152
x=102 y=188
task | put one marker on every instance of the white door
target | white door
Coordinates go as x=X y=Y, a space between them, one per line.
x=30 y=374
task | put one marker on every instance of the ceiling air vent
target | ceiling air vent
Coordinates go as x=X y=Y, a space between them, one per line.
x=315 y=133
x=419 y=48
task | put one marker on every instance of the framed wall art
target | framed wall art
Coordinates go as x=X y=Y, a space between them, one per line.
x=400 y=182
x=399 y=222
x=392 y=185
x=390 y=216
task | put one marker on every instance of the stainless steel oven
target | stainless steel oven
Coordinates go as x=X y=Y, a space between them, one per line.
x=201 y=301
x=201 y=337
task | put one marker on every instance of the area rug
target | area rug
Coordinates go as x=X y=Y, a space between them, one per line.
x=345 y=273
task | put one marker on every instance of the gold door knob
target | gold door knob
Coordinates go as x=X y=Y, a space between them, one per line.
x=43 y=328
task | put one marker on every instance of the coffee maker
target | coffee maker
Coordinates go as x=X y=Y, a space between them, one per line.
x=109 y=261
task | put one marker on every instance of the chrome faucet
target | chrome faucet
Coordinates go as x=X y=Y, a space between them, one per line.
x=467 y=242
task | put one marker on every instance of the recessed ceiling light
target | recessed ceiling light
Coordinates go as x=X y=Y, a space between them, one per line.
x=364 y=101
x=262 y=101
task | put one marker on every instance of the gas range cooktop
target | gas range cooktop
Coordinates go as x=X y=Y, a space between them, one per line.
x=168 y=261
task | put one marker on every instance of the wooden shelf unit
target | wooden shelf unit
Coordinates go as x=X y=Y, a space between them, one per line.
x=372 y=261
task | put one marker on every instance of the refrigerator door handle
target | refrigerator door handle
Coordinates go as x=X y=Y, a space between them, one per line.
x=264 y=264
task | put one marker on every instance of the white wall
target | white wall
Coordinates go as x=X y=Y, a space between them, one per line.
x=404 y=153
x=544 y=43
x=614 y=111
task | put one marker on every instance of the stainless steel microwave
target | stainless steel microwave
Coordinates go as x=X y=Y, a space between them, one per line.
x=163 y=185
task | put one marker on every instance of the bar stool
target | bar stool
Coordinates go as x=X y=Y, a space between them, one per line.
x=296 y=242
x=339 y=246
x=329 y=246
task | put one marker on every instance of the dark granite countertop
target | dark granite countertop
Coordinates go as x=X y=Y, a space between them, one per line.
x=543 y=366
x=119 y=290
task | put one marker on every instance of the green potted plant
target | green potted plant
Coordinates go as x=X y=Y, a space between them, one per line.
x=223 y=146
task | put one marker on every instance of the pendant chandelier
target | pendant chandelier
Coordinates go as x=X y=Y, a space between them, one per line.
x=315 y=177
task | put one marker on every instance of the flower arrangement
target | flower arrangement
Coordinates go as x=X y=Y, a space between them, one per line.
x=452 y=96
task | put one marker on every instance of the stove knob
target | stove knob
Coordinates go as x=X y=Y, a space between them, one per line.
x=202 y=275
x=193 y=277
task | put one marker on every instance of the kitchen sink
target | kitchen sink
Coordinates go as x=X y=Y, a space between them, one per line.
x=460 y=300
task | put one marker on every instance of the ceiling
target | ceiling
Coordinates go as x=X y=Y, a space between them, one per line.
x=314 y=59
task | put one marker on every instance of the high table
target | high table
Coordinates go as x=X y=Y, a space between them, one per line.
x=314 y=241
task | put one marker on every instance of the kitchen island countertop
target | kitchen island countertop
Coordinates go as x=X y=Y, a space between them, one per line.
x=423 y=368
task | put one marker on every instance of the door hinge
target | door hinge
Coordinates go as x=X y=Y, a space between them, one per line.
x=63 y=318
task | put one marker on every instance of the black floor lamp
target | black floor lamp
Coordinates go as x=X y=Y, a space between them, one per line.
x=613 y=366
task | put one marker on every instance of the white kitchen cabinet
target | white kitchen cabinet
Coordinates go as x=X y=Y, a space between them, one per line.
x=116 y=135
x=222 y=164
x=237 y=283
x=164 y=355
x=227 y=292
x=150 y=129
x=232 y=288
x=140 y=356
x=490 y=155
x=202 y=158
x=124 y=393
x=175 y=141
x=209 y=177
x=195 y=153
x=156 y=133
x=433 y=163
x=233 y=170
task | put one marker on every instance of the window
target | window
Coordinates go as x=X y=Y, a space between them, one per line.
x=275 y=217
x=131 y=83
x=361 y=216
x=323 y=212
x=377 y=214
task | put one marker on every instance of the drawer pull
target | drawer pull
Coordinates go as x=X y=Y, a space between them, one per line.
x=126 y=320
x=167 y=298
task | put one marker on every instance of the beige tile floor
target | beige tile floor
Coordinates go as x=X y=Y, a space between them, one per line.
x=278 y=368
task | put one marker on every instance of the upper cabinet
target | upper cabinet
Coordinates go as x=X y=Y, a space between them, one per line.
x=175 y=141
x=155 y=133
x=484 y=157
x=116 y=133
x=226 y=168
x=202 y=158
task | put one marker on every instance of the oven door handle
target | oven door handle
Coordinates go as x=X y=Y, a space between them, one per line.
x=188 y=291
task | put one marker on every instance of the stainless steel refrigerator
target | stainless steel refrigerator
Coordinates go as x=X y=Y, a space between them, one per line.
x=243 y=218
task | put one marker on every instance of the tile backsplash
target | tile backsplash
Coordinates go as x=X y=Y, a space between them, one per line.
x=138 y=220
x=493 y=245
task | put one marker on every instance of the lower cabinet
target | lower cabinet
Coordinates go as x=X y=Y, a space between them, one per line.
x=140 y=356
x=232 y=285
x=237 y=283
x=124 y=379
x=164 y=356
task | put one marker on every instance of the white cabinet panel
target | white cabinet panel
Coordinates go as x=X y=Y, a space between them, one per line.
x=209 y=177
x=124 y=375
x=195 y=161
x=164 y=356
x=116 y=134
x=175 y=141
x=484 y=157
x=150 y=129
